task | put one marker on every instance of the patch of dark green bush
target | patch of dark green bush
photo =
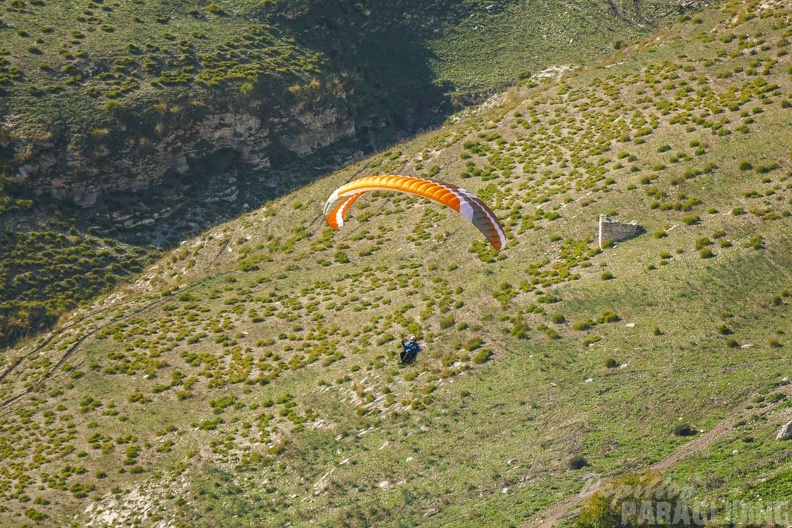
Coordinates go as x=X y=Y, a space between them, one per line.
x=685 y=429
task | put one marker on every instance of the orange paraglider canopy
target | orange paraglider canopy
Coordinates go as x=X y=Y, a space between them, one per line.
x=464 y=202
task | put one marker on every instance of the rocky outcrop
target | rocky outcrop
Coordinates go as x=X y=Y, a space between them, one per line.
x=64 y=172
x=785 y=433
x=317 y=131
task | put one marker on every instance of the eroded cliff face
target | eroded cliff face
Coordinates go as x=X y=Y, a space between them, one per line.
x=65 y=173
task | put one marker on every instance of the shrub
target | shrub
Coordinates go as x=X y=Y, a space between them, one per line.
x=607 y=276
x=706 y=253
x=764 y=169
x=756 y=242
x=447 y=322
x=520 y=329
x=483 y=356
x=474 y=344
x=34 y=514
x=608 y=317
x=703 y=242
x=685 y=429
x=691 y=220
x=583 y=325
x=113 y=107
x=591 y=340
x=558 y=318
x=611 y=363
x=247 y=265
x=577 y=462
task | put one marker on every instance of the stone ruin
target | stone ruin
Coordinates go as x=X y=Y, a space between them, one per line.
x=617 y=231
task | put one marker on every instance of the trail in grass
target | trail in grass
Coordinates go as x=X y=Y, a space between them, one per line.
x=561 y=510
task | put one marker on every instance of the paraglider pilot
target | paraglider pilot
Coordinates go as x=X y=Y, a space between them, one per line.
x=410 y=352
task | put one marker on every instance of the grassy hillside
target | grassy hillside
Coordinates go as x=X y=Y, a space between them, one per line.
x=69 y=72
x=250 y=375
x=99 y=83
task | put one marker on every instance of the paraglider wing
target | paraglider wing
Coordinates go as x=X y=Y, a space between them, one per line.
x=464 y=202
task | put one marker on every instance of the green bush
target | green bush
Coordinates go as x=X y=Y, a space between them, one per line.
x=447 y=322
x=608 y=317
x=483 y=356
x=577 y=462
x=703 y=242
x=691 y=220
x=685 y=429
x=474 y=344
x=35 y=515
x=583 y=325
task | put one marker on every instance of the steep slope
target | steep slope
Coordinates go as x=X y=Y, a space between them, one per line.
x=249 y=376
x=103 y=98
x=129 y=126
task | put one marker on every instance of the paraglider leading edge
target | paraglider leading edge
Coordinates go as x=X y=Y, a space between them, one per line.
x=470 y=206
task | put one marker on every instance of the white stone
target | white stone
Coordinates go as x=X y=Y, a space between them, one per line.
x=785 y=433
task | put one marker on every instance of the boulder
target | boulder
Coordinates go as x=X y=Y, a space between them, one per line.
x=785 y=433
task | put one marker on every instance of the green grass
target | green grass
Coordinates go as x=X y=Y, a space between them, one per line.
x=101 y=87
x=270 y=390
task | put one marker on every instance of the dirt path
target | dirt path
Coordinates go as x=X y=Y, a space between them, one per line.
x=561 y=510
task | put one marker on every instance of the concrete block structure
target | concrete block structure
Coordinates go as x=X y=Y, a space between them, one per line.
x=617 y=231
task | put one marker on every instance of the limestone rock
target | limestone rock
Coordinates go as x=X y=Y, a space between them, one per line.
x=143 y=163
x=785 y=433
